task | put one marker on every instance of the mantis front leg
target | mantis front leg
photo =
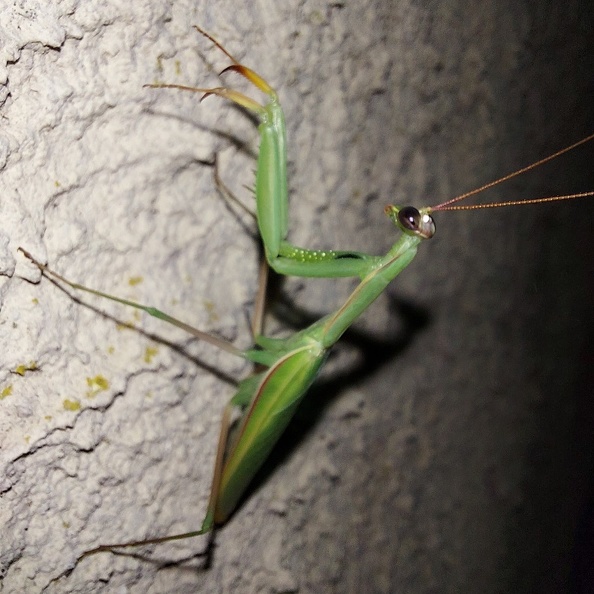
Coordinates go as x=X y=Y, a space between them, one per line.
x=271 y=186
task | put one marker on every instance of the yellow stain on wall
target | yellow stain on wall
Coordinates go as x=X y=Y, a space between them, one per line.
x=150 y=353
x=211 y=309
x=72 y=405
x=96 y=385
x=22 y=369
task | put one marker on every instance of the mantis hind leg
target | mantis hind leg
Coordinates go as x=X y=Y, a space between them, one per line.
x=207 y=523
x=212 y=516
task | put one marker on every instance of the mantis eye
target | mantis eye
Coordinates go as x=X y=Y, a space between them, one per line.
x=416 y=223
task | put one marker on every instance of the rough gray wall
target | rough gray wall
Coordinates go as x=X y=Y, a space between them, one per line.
x=442 y=452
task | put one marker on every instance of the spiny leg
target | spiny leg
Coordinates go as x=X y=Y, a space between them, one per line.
x=225 y=92
x=252 y=76
x=271 y=184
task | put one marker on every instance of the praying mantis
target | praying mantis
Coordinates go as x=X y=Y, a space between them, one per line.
x=270 y=398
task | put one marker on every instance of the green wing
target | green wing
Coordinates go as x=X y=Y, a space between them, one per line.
x=274 y=403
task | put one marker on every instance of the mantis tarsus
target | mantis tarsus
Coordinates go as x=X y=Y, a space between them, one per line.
x=269 y=399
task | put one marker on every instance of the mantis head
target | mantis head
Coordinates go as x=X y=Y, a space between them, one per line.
x=412 y=221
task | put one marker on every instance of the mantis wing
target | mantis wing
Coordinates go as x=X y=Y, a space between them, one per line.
x=273 y=405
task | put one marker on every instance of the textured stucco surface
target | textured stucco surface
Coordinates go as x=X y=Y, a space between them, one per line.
x=449 y=457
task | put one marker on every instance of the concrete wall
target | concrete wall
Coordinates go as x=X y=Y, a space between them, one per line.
x=446 y=449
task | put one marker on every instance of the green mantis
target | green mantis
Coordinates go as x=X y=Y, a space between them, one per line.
x=269 y=398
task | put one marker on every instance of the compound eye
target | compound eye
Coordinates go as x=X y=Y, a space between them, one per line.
x=412 y=221
x=409 y=217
